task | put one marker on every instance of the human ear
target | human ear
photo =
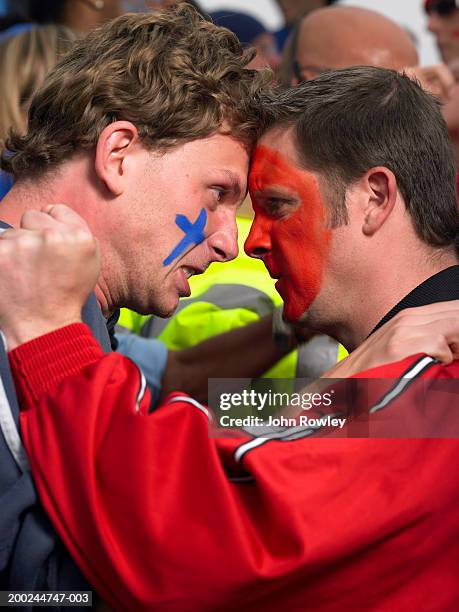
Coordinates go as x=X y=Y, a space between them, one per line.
x=380 y=192
x=114 y=148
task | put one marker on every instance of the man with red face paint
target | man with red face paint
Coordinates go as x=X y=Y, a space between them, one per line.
x=158 y=515
x=370 y=228
x=275 y=186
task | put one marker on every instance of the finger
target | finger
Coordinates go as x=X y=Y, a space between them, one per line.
x=16 y=234
x=65 y=215
x=5 y=234
x=454 y=347
x=37 y=220
x=429 y=311
x=439 y=339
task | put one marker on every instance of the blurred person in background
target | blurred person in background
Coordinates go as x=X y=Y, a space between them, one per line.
x=292 y=11
x=443 y=22
x=78 y=15
x=344 y=36
x=251 y=33
x=25 y=60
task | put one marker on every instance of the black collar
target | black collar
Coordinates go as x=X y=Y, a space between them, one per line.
x=441 y=287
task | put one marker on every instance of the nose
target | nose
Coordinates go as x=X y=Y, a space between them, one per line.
x=258 y=242
x=223 y=241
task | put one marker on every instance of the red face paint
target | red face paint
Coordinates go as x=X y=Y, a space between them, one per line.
x=294 y=238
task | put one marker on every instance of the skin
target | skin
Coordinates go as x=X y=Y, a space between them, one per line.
x=446 y=31
x=289 y=211
x=339 y=37
x=130 y=197
x=344 y=36
x=347 y=277
x=293 y=9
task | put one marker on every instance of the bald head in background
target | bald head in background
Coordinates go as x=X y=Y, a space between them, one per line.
x=343 y=36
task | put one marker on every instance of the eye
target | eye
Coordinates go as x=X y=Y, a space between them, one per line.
x=219 y=193
x=277 y=207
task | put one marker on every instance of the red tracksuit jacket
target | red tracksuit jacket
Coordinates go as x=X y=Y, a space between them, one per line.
x=161 y=517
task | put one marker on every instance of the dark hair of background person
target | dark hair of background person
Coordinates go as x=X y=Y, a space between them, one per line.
x=176 y=79
x=286 y=72
x=10 y=20
x=250 y=32
x=37 y=11
x=47 y=11
x=295 y=9
x=348 y=121
x=79 y=15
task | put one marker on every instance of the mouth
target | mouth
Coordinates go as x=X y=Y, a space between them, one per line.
x=184 y=274
x=272 y=273
x=190 y=271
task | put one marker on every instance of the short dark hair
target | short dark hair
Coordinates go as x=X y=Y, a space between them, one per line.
x=348 y=121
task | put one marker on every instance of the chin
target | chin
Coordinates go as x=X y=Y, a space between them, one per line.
x=289 y=314
x=166 y=308
x=293 y=313
x=160 y=308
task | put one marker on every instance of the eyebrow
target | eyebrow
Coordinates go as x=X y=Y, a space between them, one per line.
x=276 y=190
x=235 y=185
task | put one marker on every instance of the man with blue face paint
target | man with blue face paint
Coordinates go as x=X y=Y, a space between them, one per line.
x=123 y=153
x=194 y=235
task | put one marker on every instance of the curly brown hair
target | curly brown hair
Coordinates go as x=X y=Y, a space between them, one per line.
x=174 y=75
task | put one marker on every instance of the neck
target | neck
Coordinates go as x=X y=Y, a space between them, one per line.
x=380 y=293
x=33 y=195
x=23 y=196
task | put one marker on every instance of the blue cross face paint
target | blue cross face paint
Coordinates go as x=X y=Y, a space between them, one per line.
x=194 y=235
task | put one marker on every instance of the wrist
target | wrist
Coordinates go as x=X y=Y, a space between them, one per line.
x=25 y=331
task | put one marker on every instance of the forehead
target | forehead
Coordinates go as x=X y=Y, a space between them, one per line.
x=276 y=168
x=222 y=142
x=219 y=151
x=282 y=142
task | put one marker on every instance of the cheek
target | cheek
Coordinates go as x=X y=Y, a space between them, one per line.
x=303 y=245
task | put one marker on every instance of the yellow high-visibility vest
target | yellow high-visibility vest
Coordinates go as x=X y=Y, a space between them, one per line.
x=224 y=298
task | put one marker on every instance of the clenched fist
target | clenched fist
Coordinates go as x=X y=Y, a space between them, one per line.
x=50 y=266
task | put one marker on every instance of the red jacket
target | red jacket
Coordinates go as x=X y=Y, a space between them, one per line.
x=161 y=517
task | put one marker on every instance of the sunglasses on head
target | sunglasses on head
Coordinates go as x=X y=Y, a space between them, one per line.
x=441 y=7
